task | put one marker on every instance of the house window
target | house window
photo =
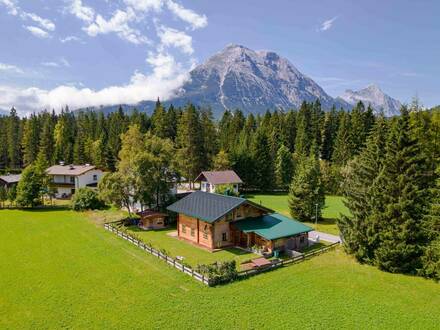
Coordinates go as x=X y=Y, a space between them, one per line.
x=224 y=237
x=229 y=216
x=205 y=232
x=95 y=177
x=239 y=215
x=193 y=232
x=301 y=240
x=184 y=229
x=72 y=179
x=207 y=187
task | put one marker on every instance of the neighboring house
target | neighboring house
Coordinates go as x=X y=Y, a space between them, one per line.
x=216 y=221
x=209 y=180
x=151 y=220
x=9 y=180
x=67 y=178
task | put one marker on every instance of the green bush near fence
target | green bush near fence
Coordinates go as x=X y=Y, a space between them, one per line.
x=219 y=272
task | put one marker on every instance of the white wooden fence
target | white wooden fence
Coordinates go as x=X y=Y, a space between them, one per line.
x=170 y=261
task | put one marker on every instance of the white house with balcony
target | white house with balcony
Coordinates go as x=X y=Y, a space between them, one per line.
x=210 y=180
x=66 y=179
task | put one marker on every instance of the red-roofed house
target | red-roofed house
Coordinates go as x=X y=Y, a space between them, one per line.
x=209 y=180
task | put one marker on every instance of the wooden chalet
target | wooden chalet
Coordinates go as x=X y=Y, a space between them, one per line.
x=216 y=221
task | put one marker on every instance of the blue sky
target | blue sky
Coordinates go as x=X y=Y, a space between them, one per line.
x=93 y=52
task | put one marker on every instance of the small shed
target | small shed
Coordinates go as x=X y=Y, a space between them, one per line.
x=150 y=219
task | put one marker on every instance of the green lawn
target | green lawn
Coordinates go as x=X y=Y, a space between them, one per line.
x=334 y=206
x=59 y=269
x=193 y=255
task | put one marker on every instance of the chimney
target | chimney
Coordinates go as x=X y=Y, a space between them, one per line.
x=71 y=167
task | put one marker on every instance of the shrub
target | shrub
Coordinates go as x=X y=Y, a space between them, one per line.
x=219 y=272
x=226 y=189
x=86 y=199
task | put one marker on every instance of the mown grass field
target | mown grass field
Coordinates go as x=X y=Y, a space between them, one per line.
x=59 y=269
x=193 y=255
x=334 y=207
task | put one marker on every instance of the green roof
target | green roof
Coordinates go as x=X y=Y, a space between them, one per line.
x=209 y=207
x=272 y=226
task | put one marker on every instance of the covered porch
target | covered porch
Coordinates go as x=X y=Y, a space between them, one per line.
x=270 y=232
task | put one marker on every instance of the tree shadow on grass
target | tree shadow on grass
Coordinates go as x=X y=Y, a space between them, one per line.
x=39 y=209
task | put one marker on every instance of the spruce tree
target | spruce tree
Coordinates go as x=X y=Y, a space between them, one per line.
x=31 y=133
x=284 y=167
x=190 y=144
x=343 y=146
x=304 y=131
x=306 y=194
x=359 y=230
x=402 y=199
x=13 y=138
x=263 y=161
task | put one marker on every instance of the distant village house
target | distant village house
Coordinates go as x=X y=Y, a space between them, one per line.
x=66 y=179
x=9 y=180
x=210 y=180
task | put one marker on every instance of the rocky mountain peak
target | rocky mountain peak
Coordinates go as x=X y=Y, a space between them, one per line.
x=374 y=96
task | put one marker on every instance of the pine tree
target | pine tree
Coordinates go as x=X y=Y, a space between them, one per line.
x=13 y=138
x=402 y=194
x=46 y=138
x=263 y=162
x=304 y=131
x=343 y=150
x=31 y=133
x=284 y=167
x=359 y=230
x=190 y=144
x=431 y=256
x=330 y=128
x=306 y=194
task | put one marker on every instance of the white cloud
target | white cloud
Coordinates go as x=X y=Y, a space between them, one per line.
x=84 y=13
x=163 y=82
x=175 y=38
x=187 y=15
x=327 y=25
x=36 y=31
x=130 y=23
x=119 y=24
x=56 y=64
x=10 y=68
x=11 y=5
x=69 y=39
x=42 y=22
x=145 y=5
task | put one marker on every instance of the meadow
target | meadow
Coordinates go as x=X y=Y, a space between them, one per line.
x=61 y=269
x=334 y=207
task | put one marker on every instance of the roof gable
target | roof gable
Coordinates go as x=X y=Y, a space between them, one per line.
x=219 y=177
x=206 y=206
x=11 y=178
x=69 y=169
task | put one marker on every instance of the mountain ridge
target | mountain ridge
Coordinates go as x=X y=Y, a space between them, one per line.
x=256 y=81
